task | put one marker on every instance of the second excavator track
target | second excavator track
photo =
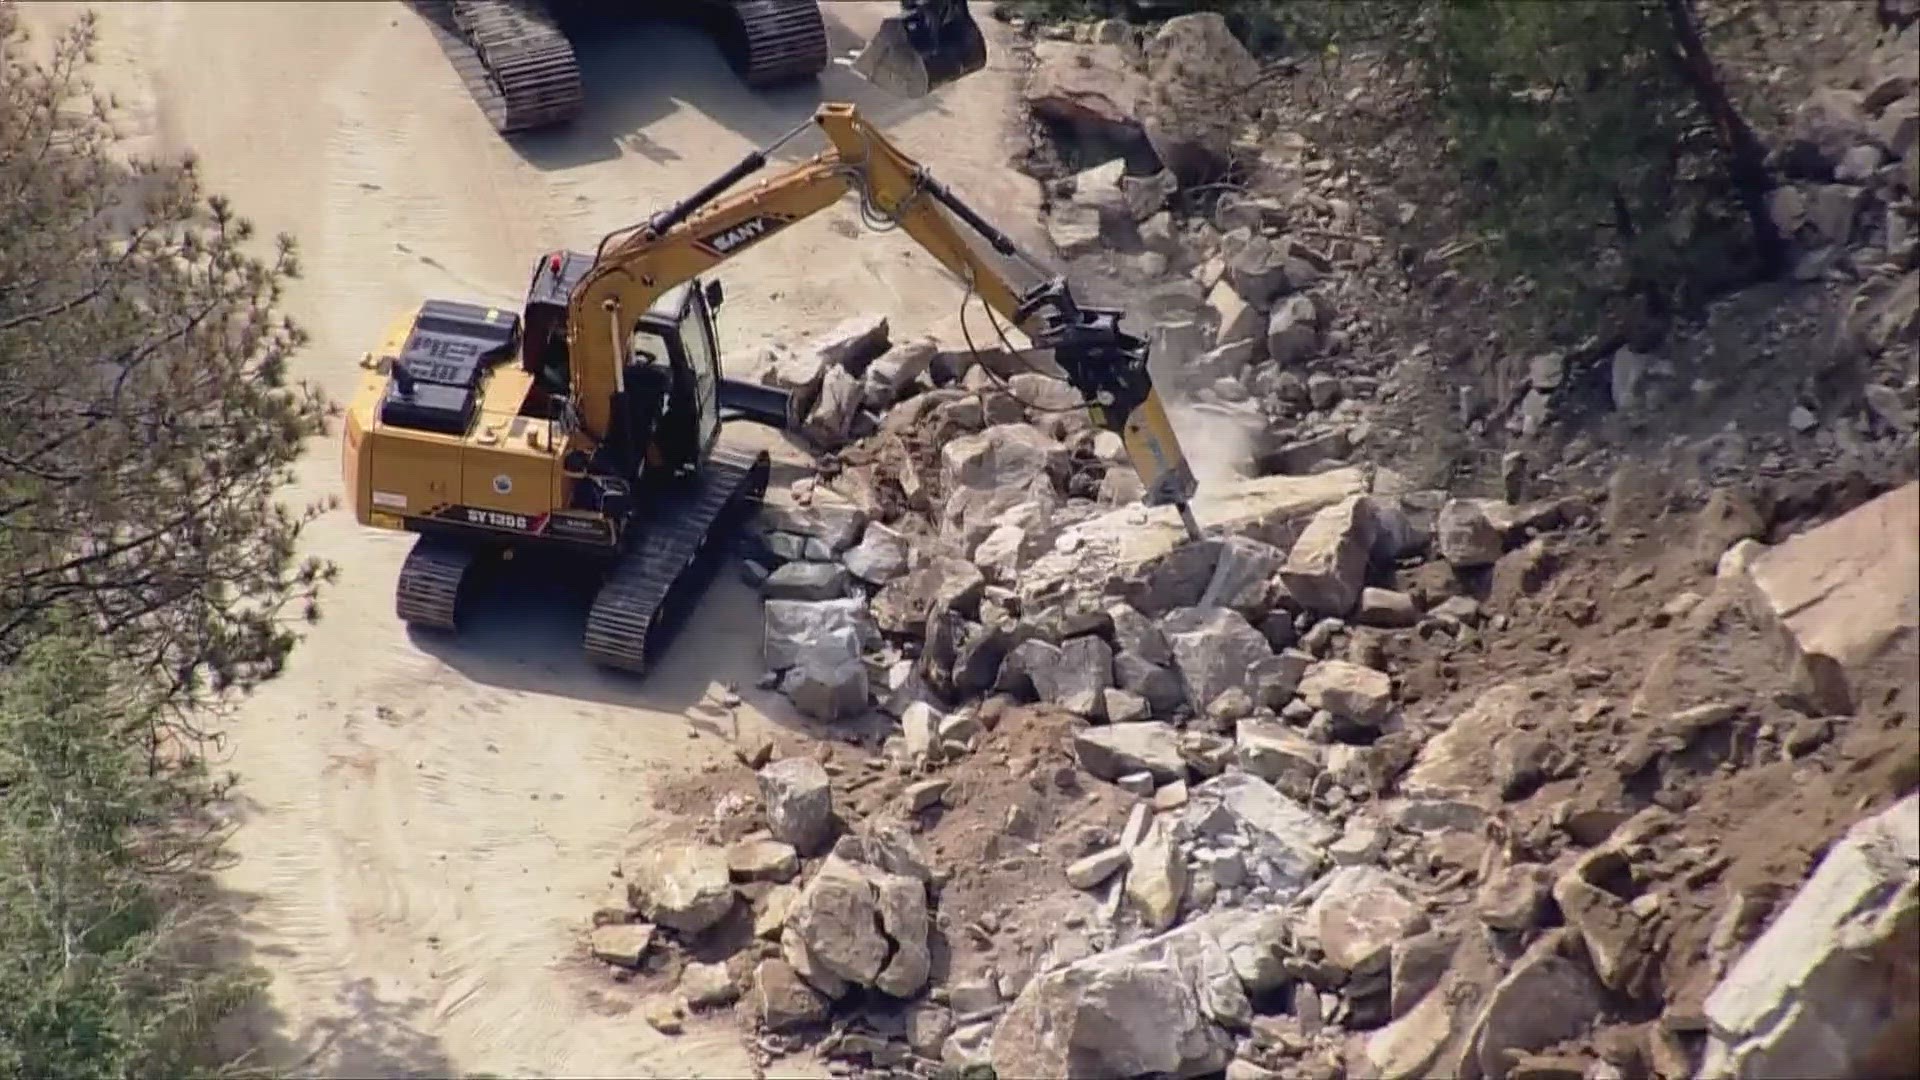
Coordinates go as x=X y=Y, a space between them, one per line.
x=643 y=600
x=432 y=582
x=512 y=57
x=771 y=42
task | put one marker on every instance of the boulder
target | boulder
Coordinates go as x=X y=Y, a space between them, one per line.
x=1544 y=999
x=1090 y=871
x=1135 y=633
x=1308 y=455
x=864 y=925
x=1029 y=669
x=1236 y=319
x=905 y=604
x=796 y=371
x=1257 y=271
x=806 y=581
x=682 y=886
x=1001 y=553
x=1466 y=536
x=1361 y=912
x=1386 y=608
x=621 y=944
x=828 y=684
x=1514 y=897
x=1293 y=330
x=1242 y=576
x=879 y=557
x=853 y=342
x=1215 y=650
x=1285 y=842
x=904 y=919
x=1349 y=691
x=1418 y=964
x=888 y=377
x=1084 y=670
x=1074 y=229
x=1323 y=390
x=1845 y=597
x=1281 y=756
x=1157 y=877
x=830 y=421
x=1198 y=75
x=798 y=804
x=762 y=860
x=1116 y=750
x=1619 y=944
x=1160 y=687
x=1098 y=189
x=1832 y=987
x=793 y=627
x=1117 y=551
x=1174 y=580
x=707 y=986
x=1091 y=88
x=988 y=473
x=1159 y=1007
x=782 y=1001
x=826 y=516
x=1327 y=567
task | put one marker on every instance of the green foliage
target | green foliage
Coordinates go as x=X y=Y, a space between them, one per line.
x=143 y=378
x=1594 y=151
x=1585 y=155
x=146 y=566
x=94 y=855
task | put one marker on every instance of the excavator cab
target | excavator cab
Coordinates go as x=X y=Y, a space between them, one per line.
x=929 y=44
x=675 y=376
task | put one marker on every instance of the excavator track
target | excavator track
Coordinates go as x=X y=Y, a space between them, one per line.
x=770 y=42
x=644 y=600
x=513 y=58
x=431 y=583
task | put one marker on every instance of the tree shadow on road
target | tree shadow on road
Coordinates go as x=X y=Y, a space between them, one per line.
x=637 y=72
x=364 y=1032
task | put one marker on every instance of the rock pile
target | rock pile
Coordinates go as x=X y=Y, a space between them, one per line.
x=1340 y=853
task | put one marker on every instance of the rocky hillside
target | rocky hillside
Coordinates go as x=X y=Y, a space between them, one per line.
x=1552 y=717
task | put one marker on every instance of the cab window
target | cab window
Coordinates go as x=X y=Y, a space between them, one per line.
x=697 y=334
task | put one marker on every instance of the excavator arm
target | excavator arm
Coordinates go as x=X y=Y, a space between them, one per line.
x=634 y=266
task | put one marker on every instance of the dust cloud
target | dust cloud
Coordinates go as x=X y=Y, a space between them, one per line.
x=1219 y=450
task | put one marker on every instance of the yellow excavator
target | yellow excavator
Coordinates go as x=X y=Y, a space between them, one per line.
x=589 y=421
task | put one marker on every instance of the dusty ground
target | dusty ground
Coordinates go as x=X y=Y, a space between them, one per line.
x=418 y=814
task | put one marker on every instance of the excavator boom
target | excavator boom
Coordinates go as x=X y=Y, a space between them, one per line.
x=633 y=267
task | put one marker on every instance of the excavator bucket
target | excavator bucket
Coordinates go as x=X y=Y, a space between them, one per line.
x=923 y=49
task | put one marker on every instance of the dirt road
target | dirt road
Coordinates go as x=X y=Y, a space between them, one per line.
x=427 y=824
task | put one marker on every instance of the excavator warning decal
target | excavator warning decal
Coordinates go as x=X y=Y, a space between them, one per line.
x=724 y=242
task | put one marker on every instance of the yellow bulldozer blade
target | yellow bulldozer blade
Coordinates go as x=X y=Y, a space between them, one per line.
x=914 y=54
